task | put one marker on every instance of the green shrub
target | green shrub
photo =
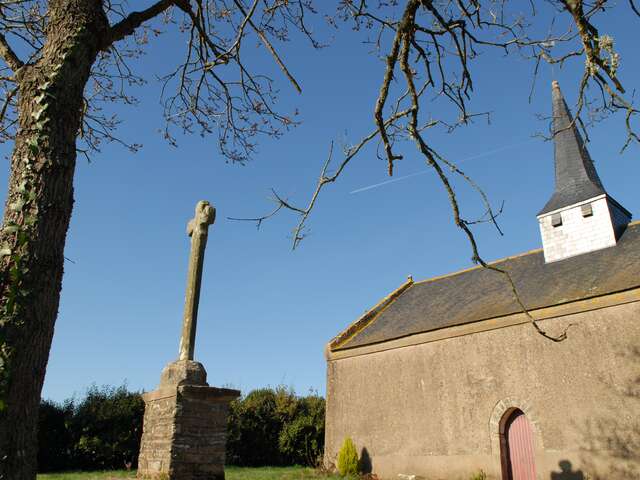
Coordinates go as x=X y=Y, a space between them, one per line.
x=275 y=427
x=479 y=476
x=348 y=459
x=102 y=431
x=106 y=428
x=301 y=439
x=253 y=429
x=54 y=438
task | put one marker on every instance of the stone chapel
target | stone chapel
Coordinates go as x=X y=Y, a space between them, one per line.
x=446 y=377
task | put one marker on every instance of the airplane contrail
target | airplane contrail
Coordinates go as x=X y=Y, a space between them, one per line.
x=473 y=157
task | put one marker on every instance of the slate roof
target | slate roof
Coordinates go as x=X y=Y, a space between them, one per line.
x=479 y=294
x=576 y=177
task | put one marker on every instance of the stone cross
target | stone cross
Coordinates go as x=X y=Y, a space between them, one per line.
x=197 y=229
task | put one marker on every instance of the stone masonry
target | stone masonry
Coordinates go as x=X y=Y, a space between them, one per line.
x=185 y=428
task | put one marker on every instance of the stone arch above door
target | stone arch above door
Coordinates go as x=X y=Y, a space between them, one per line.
x=501 y=412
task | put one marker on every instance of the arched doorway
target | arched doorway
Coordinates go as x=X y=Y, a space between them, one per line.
x=517 y=449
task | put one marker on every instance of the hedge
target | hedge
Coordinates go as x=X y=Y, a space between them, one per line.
x=268 y=426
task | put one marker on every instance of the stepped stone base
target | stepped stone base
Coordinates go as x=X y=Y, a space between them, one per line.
x=185 y=431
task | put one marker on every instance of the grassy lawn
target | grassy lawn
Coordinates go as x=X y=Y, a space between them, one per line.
x=231 y=473
x=276 y=473
x=110 y=475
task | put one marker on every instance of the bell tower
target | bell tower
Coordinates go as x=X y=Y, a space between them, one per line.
x=580 y=216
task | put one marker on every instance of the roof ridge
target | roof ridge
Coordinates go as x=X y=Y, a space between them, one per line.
x=475 y=267
x=500 y=260
x=369 y=316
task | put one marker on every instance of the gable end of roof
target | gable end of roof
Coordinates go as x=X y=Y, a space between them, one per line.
x=369 y=317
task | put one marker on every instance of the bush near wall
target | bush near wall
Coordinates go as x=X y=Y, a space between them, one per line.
x=302 y=437
x=348 y=459
x=273 y=427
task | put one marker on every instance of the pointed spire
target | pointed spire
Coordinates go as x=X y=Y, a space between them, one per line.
x=576 y=176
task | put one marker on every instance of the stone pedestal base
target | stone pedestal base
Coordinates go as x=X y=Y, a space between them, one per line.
x=185 y=432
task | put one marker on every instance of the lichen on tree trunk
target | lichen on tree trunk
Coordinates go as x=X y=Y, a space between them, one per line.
x=36 y=219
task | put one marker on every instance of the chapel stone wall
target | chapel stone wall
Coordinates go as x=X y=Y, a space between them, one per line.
x=432 y=409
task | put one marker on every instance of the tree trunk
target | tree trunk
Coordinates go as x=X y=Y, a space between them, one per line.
x=36 y=219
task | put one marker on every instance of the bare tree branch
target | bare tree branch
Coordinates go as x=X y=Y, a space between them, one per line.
x=8 y=55
x=269 y=47
x=443 y=38
x=129 y=24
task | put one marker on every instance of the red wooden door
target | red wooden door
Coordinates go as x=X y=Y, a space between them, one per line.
x=520 y=452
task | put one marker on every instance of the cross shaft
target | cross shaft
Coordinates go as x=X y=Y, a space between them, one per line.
x=197 y=229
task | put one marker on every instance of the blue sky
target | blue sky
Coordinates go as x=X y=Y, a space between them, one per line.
x=266 y=312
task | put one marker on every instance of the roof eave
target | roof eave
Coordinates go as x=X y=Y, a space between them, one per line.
x=549 y=208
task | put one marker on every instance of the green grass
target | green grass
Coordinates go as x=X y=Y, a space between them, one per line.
x=231 y=473
x=108 y=475
x=275 y=473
